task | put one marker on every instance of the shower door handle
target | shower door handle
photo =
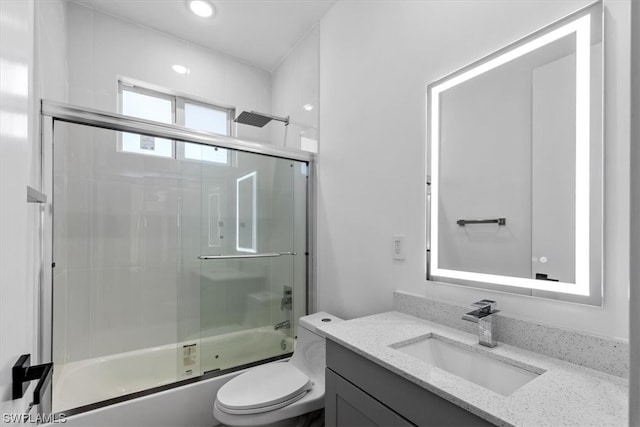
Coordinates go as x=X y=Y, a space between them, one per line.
x=241 y=256
x=499 y=221
x=23 y=373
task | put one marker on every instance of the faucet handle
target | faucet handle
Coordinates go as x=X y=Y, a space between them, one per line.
x=486 y=306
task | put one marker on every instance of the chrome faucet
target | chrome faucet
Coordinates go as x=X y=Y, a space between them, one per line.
x=282 y=325
x=483 y=316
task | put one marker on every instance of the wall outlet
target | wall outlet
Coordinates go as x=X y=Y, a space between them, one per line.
x=397 y=247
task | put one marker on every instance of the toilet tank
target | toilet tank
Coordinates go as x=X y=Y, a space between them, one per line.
x=309 y=352
x=314 y=322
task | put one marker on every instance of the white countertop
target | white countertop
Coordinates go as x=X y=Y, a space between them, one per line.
x=564 y=395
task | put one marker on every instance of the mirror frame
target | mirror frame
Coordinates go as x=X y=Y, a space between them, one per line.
x=587 y=289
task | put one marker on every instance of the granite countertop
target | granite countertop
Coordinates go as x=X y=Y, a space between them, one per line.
x=563 y=394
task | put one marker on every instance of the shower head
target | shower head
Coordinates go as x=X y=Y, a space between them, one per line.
x=254 y=118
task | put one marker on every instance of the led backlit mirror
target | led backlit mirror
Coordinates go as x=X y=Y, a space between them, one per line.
x=515 y=166
x=246 y=213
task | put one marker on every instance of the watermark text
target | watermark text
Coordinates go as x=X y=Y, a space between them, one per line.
x=16 y=418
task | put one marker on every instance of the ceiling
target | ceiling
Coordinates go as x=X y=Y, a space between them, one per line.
x=260 y=32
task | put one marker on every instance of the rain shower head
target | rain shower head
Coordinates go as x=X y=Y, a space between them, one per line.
x=254 y=118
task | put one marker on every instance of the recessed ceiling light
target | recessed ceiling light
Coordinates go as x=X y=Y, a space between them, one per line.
x=201 y=8
x=180 y=69
x=308 y=107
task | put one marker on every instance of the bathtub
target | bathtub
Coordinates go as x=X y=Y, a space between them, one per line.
x=89 y=381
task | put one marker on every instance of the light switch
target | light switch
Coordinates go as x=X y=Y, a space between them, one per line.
x=397 y=247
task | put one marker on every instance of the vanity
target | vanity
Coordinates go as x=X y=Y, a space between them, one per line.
x=514 y=193
x=384 y=370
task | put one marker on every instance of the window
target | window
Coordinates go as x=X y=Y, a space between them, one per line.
x=202 y=117
x=148 y=104
x=150 y=107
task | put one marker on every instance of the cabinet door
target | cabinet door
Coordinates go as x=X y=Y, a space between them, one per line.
x=347 y=405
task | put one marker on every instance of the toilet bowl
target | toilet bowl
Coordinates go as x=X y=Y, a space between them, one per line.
x=280 y=393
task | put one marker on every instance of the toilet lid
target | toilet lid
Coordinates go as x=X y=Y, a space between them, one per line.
x=263 y=386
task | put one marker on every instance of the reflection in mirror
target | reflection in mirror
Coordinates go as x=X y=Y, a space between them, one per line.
x=246 y=213
x=516 y=166
x=215 y=220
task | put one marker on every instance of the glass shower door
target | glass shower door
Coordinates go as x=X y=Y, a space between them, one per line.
x=169 y=267
x=115 y=240
x=246 y=283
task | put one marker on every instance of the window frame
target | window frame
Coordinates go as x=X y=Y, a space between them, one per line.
x=144 y=91
x=178 y=101
x=181 y=120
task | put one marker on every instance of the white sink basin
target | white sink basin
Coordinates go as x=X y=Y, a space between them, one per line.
x=493 y=374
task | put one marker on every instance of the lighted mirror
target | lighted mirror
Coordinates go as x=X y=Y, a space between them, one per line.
x=515 y=166
x=246 y=213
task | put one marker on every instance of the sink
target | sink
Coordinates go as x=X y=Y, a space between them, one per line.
x=493 y=374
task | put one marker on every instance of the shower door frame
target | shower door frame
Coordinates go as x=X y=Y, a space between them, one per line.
x=52 y=112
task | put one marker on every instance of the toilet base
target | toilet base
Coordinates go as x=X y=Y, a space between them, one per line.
x=312 y=419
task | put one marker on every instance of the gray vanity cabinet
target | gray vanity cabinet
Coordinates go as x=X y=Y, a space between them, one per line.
x=362 y=393
x=352 y=407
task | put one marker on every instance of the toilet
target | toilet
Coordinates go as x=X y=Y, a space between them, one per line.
x=280 y=393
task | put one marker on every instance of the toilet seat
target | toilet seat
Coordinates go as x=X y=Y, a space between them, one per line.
x=263 y=389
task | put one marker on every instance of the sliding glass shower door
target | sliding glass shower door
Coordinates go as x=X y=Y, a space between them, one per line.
x=244 y=262
x=172 y=261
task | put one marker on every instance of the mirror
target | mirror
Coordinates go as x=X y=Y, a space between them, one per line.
x=515 y=165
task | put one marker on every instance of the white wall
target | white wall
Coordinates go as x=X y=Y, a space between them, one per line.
x=33 y=66
x=102 y=47
x=634 y=393
x=294 y=85
x=376 y=59
x=51 y=50
x=17 y=322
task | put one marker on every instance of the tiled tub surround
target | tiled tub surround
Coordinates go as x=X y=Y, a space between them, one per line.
x=565 y=394
x=603 y=354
